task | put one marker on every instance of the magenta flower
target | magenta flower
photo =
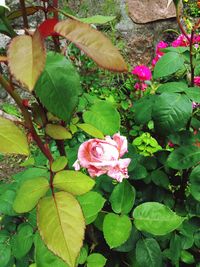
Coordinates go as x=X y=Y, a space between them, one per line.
x=142 y=72
x=159 y=53
x=140 y=86
x=197 y=81
x=104 y=157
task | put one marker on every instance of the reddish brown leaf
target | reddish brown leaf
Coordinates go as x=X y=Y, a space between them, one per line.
x=96 y=45
x=46 y=28
x=29 y=11
x=26 y=58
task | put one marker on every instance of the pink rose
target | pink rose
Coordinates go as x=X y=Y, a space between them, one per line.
x=197 y=81
x=103 y=157
x=142 y=72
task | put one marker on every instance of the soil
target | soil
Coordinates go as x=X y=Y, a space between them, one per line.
x=9 y=165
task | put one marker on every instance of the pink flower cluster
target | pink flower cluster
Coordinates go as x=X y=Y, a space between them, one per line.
x=104 y=157
x=143 y=73
x=159 y=53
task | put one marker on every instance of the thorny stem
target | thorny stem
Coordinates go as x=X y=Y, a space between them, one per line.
x=24 y=14
x=191 y=57
x=28 y=123
x=179 y=23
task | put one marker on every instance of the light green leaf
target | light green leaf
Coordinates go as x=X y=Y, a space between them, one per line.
x=116 y=229
x=187 y=257
x=29 y=194
x=148 y=253
x=122 y=198
x=156 y=218
x=97 y=19
x=104 y=117
x=171 y=112
x=57 y=132
x=59 y=164
x=91 y=130
x=61 y=92
x=13 y=140
x=168 y=64
x=61 y=225
x=73 y=182
x=91 y=203
x=22 y=241
x=195 y=183
x=96 y=260
x=44 y=257
x=184 y=157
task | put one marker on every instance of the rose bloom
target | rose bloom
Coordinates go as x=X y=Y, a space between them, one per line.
x=197 y=80
x=159 y=53
x=142 y=72
x=104 y=157
x=140 y=86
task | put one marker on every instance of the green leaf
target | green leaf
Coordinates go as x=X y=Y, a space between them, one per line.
x=122 y=198
x=193 y=93
x=61 y=92
x=83 y=254
x=73 y=182
x=184 y=157
x=91 y=203
x=160 y=178
x=104 y=117
x=172 y=87
x=57 y=132
x=44 y=257
x=175 y=249
x=187 y=257
x=97 y=19
x=148 y=253
x=168 y=64
x=61 y=225
x=96 y=260
x=29 y=194
x=13 y=140
x=143 y=109
x=59 y=164
x=91 y=130
x=116 y=229
x=22 y=241
x=156 y=218
x=6 y=202
x=195 y=183
x=171 y=112
x=5 y=254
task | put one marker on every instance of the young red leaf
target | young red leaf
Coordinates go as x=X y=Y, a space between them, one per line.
x=96 y=45
x=46 y=28
x=26 y=58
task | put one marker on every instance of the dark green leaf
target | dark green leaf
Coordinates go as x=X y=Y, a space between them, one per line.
x=122 y=198
x=184 y=157
x=143 y=109
x=193 y=93
x=59 y=93
x=195 y=183
x=171 y=112
x=172 y=87
x=5 y=254
x=168 y=64
x=148 y=253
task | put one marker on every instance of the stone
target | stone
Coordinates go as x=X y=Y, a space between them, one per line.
x=144 y=11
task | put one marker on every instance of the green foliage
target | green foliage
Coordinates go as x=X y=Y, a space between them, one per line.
x=55 y=216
